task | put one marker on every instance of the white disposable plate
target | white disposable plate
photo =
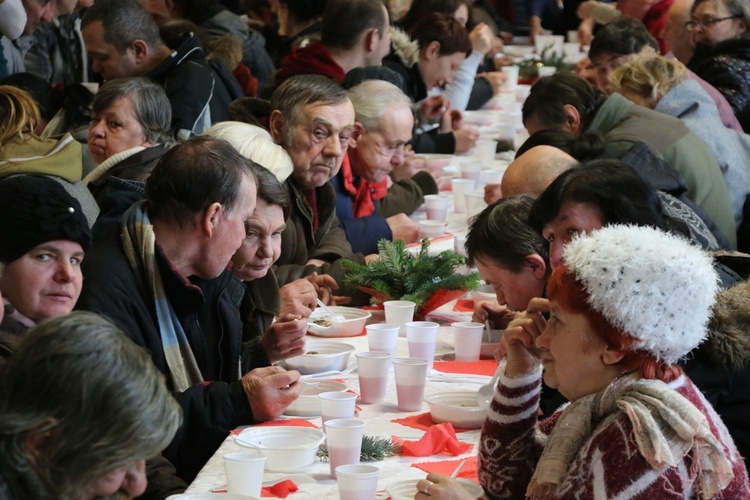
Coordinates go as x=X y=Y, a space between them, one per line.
x=457 y=407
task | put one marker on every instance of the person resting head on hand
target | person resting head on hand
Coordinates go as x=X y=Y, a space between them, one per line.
x=625 y=306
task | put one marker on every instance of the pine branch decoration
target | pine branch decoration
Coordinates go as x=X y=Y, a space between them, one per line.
x=374 y=449
x=398 y=274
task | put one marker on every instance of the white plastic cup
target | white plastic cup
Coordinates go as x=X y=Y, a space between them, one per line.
x=485 y=152
x=372 y=368
x=410 y=379
x=336 y=405
x=471 y=169
x=511 y=73
x=244 y=473
x=467 y=340
x=475 y=203
x=573 y=36
x=382 y=337
x=460 y=187
x=507 y=131
x=344 y=441
x=422 y=338
x=357 y=481
x=431 y=228
x=399 y=312
x=546 y=71
x=493 y=176
x=436 y=206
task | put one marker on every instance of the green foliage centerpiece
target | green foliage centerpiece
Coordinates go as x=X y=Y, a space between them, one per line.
x=427 y=280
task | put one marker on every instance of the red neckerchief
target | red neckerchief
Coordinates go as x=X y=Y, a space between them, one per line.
x=362 y=192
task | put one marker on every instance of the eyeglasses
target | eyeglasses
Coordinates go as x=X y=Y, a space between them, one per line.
x=707 y=22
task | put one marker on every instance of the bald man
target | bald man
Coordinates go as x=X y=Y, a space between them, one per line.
x=530 y=173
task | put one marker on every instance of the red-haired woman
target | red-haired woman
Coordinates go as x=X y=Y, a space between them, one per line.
x=626 y=304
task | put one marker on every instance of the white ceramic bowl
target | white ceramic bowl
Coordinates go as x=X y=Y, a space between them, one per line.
x=457 y=407
x=407 y=488
x=308 y=404
x=286 y=448
x=352 y=325
x=320 y=356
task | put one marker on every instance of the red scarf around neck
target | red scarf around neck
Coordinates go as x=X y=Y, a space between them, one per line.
x=362 y=192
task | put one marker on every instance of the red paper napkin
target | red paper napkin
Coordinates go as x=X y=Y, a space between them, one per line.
x=280 y=489
x=481 y=367
x=440 y=438
x=423 y=422
x=447 y=467
x=464 y=305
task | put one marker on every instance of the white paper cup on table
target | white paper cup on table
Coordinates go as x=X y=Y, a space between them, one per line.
x=485 y=152
x=436 y=206
x=422 y=338
x=357 y=481
x=372 y=368
x=493 y=176
x=431 y=228
x=506 y=131
x=344 y=441
x=336 y=405
x=573 y=36
x=460 y=187
x=382 y=337
x=475 y=203
x=471 y=169
x=410 y=379
x=399 y=312
x=467 y=340
x=244 y=473
x=546 y=71
x=511 y=73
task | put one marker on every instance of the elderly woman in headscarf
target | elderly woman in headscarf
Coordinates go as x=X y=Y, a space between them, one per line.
x=625 y=305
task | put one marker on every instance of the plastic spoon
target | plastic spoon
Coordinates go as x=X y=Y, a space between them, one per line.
x=334 y=317
x=454 y=475
x=485 y=393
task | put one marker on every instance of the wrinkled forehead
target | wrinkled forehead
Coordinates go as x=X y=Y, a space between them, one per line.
x=337 y=116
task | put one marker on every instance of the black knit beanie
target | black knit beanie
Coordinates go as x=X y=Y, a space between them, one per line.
x=35 y=209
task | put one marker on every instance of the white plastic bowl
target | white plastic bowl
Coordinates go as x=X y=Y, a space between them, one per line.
x=286 y=448
x=457 y=407
x=320 y=356
x=210 y=496
x=352 y=325
x=518 y=50
x=308 y=404
x=407 y=488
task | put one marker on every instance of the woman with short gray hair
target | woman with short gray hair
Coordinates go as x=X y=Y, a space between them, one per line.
x=130 y=130
x=82 y=407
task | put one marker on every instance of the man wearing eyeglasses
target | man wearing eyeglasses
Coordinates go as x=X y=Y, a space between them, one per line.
x=722 y=50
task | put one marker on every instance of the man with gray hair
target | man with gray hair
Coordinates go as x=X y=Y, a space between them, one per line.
x=123 y=40
x=313 y=120
x=383 y=126
x=162 y=274
x=82 y=409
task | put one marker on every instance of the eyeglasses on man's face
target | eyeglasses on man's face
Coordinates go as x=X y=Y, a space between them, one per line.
x=707 y=22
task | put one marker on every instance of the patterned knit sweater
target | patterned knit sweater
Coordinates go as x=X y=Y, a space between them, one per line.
x=608 y=466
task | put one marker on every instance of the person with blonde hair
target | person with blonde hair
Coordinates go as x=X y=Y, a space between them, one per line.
x=664 y=85
x=255 y=143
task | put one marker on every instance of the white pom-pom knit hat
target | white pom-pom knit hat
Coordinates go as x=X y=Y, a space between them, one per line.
x=654 y=286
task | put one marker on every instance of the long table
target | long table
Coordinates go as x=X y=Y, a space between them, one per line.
x=315 y=482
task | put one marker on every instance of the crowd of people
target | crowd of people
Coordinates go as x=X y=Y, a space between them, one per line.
x=181 y=181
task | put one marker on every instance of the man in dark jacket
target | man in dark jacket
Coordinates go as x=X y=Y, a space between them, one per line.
x=161 y=275
x=123 y=40
x=313 y=120
x=383 y=126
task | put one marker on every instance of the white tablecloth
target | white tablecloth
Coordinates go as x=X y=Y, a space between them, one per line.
x=377 y=418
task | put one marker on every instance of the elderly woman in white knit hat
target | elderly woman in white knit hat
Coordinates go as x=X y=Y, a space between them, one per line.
x=625 y=306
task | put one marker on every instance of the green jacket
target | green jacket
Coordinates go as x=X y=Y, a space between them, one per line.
x=623 y=123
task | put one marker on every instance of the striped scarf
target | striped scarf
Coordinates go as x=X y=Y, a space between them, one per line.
x=139 y=244
x=667 y=426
